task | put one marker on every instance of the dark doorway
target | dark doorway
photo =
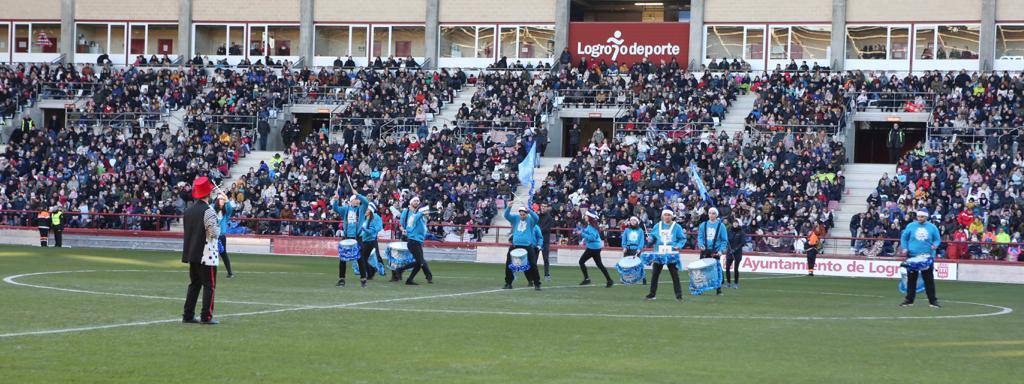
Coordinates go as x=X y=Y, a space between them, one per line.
x=53 y=118
x=872 y=141
x=579 y=133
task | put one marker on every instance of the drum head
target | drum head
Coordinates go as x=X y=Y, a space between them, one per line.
x=348 y=243
x=398 y=246
x=518 y=252
x=918 y=259
x=701 y=264
x=629 y=262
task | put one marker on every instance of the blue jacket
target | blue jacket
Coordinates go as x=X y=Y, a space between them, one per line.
x=592 y=238
x=538 y=238
x=919 y=238
x=417 y=231
x=522 y=232
x=675 y=236
x=369 y=229
x=715 y=238
x=633 y=239
x=352 y=217
x=225 y=217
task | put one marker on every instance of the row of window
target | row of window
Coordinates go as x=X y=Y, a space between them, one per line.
x=456 y=41
x=931 y=42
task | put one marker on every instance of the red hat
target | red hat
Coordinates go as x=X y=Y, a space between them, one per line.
x=201 y=187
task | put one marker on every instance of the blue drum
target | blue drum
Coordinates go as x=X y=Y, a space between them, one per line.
x=631 y=270
x=705 y=275
x=903 y=282
x=649 y=258
x=373 y=262
x=518 y=260
x=919 y=262
x=348 y=250
x=398 y=255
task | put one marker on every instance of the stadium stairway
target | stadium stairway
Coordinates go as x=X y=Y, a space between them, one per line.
x=861 y=180
x=545 y=166
x=251 y=161
x=448 y=112
x=737 y=113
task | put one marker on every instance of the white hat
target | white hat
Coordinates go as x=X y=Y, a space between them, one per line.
x=713 y=209
x=667 y=211
x=592 y=215
x=371 y=207
x=923 y=212
x=414 y=198
x=424 y=210
x=522 y=208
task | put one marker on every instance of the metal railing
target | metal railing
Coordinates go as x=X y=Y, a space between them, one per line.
x=68 y=90
x=321 y=94
x=77 y=118
x=593 y=98
x=910 y=102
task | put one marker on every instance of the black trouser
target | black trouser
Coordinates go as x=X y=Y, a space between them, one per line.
x=596 y=255
x=673 y=270
x=532 y=274
x=224 y=255
x=929 y=284
x=732 y=261
x=416 y=249
x=545 y=251
x=58 y=236
x=853 y=242
x=44 y=233
x=812 y=256
x=365 y=250
x=709 y=254
x=205 y=278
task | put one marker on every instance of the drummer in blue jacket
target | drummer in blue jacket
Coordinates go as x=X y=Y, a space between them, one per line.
x=633 y=239
x=592 y=240
x=668 y=238
x=369 y=228
x=414 y=224
x=713 y=239
x=920 y=237
x=524 y=236
x=351 y=215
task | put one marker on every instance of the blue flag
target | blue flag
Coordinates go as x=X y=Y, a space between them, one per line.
x=695 y=173
x=527 y=165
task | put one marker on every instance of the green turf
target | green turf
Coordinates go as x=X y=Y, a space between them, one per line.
x=464 y=328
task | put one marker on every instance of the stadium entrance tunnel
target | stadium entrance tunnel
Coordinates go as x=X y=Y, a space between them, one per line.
x=580 y=131
x=872 y=144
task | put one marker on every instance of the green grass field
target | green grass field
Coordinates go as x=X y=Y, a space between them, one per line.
x=106 y=316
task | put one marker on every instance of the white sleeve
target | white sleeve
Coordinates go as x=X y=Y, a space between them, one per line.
x=212 y=224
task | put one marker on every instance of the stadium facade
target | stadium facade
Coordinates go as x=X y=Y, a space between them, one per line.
x=900 y=35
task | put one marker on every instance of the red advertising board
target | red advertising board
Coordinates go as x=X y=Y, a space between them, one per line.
x=629 y=42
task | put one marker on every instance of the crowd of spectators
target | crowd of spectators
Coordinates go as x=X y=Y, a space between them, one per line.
x=780 y=184
x=797 y=101
x=972 y=194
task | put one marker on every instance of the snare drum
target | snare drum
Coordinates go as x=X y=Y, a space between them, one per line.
x=649 y=258
x=348 y=250
x=705 y=275
x=398 y=255
x=518 y=260
x=631 y=270
x=919 y=262
x=902 y=286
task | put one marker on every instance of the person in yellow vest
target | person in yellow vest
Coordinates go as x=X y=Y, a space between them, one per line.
x=43 y=221
x=813 y=244
x=57 y=226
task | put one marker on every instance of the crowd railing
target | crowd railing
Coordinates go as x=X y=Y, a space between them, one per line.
x=461 y=235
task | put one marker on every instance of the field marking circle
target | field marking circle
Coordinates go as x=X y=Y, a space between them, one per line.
x=1000 y=310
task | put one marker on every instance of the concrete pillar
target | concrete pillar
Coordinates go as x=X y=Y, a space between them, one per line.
x=432 y=33
x=696 y=35
x=561 y=29
x=185 y=30
x=67 y=31
x=838 y=34
x=987 y=51
x=306 y=33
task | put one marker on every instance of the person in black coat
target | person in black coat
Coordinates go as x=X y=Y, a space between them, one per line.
x=201 y=226
x=737 y=238
x=546 y=222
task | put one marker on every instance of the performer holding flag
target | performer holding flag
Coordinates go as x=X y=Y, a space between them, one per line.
x=667 y=237
x=524 y=230
x=920 y=237
x=414 y=223
x=351 y=216
x=712 y=239
x=633 y=239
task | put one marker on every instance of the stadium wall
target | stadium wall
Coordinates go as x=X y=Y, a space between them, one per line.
x=39 y=10
x=246 y=10
x=402 y=11
x=126 y=10
x=497 y=11
x=914 y=10
x=756 y=11
x=961 y=270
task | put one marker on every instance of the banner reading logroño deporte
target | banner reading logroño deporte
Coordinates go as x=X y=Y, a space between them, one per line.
x=838 y=267
x=629 y=42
